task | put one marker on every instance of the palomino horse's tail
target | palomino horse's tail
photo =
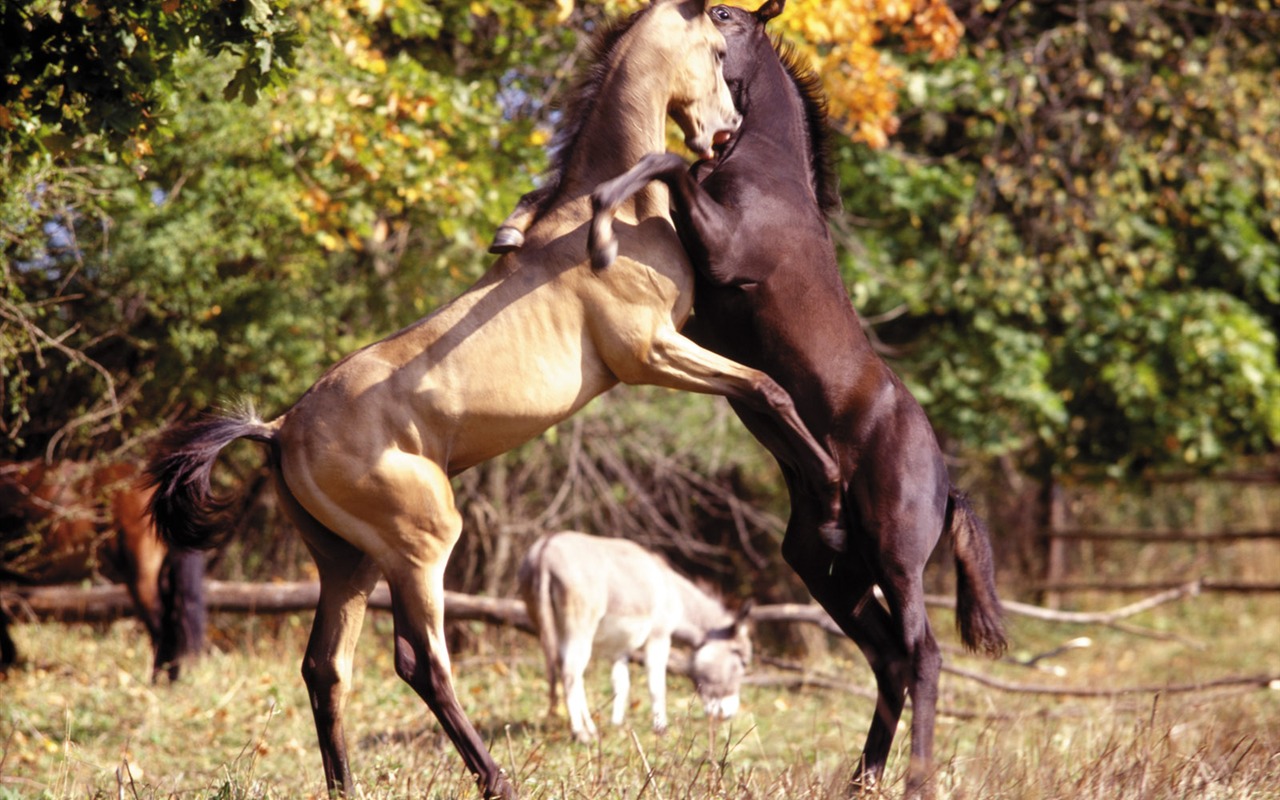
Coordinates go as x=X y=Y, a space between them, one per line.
x=978 y=611
x=186 y=512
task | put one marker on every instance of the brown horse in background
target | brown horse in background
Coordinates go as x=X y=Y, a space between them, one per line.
x=362 y=461
x=769 y=294
x=69 y=521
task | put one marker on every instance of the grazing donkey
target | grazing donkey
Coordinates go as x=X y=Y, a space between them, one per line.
x=583 y=591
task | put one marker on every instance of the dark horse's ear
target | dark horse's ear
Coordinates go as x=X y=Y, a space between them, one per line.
x=769 y=10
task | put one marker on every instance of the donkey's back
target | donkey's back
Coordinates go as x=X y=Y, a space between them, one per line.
x=586 y=593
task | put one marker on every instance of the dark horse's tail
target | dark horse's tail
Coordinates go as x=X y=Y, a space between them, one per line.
x=186 y=512
x=978 y=611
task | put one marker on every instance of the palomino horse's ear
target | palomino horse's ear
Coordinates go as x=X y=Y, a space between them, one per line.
x=769 y=10
x=743 y=613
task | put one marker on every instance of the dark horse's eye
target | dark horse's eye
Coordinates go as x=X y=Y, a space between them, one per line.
x=721 y=13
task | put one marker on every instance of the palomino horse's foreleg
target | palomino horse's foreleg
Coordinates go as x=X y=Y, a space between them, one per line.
x=674 y=361
x=510 y=234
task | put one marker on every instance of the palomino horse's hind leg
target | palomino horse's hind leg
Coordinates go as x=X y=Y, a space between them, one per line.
x=417 y=597
x=326 y=668
x=424 y=525
x=347 y=577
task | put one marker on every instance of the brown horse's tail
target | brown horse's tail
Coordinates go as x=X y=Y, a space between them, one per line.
x=978 y=611
x=186 y=512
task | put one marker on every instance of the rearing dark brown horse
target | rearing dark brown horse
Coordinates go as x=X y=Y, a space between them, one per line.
x=769 y=295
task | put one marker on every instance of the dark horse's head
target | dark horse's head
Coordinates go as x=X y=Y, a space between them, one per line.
x=753 y=79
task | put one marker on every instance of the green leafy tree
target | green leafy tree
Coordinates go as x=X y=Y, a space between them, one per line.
x=246 y=248
x=1078 y=233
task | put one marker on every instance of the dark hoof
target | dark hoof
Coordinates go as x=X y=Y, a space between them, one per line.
x=506 y=240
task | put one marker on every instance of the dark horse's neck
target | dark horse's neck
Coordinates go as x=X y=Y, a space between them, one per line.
x=785 y=118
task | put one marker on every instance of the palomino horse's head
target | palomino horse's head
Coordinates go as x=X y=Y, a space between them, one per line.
x=719 y=665
x=694 y=51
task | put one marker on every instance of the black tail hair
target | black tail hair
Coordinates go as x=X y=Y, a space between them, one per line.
x=187 y=514
x=979 y=614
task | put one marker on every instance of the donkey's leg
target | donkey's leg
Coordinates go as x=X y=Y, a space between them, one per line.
x=620 y=679
x=657 y=651
x=575 y=654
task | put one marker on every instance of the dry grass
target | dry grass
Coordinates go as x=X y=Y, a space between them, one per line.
x=78 y=721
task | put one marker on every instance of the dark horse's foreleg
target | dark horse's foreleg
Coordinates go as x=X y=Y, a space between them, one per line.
x=8 y=650
x=705 y=226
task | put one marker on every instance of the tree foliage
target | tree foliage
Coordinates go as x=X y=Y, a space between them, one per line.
x=1071 y=246
x=248 y=247
x=1080 y=231
x=78 y=70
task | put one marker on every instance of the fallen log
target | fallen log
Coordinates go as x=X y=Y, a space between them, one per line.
x=107 y=602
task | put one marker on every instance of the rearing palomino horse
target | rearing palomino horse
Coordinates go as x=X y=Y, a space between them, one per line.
x=769 y=294
x=362 y=461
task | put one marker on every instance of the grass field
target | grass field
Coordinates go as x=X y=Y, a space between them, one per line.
x=79 y=720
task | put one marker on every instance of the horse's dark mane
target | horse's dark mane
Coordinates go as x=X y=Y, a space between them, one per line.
x=579 y=102
x=809 y=84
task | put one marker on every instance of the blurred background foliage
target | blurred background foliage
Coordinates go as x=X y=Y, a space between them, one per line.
x=1062 y=225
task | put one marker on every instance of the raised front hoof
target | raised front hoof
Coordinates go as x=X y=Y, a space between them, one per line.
x=506 y=240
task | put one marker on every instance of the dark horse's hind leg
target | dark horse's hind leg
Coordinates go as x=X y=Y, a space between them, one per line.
x=8 y=650
x=899 y=646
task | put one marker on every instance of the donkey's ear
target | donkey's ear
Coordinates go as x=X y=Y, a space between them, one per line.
x=744 y=613
x=769 y=10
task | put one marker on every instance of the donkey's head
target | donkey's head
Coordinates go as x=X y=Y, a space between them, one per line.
x=693 y=57
x=720 y=663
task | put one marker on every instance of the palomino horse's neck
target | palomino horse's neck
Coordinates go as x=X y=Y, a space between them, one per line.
x=627 y=121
